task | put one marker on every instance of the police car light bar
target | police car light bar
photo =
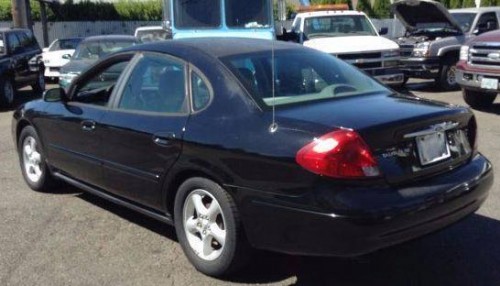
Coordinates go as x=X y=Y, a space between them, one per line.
x=325 y=7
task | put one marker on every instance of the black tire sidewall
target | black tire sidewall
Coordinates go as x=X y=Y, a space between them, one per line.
x=477 y=99
x=443 y=77
x=37 y=87
x=44 y=181
x=3 y=99
x=222 y=265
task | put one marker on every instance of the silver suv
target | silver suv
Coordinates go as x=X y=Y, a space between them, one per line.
x=431 y=46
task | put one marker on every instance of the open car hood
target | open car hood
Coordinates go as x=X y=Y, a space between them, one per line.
x=414 y=12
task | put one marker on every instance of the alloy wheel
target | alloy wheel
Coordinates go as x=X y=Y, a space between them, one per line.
x=204 y=224
x=32 y=160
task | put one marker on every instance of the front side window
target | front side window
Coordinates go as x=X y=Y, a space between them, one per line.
x=98 y=88
x=94 y=50
x=247 y=14
x=197 y=14
x=13 y=42
x=299 y=77
x=485 y=20
x=335 y=26
x=157 y=84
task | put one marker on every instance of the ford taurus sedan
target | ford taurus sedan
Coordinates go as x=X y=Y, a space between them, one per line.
x=240 y=145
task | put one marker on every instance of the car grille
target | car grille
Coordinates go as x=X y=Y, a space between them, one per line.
x=406 y=50
x=364 y=61
x=485 y=54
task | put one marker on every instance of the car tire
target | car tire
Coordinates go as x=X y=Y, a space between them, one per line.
x=39 y=85
x=8 y=93
x=477 y=99
x=209 y=228
x=447 y=79
x=34 y=167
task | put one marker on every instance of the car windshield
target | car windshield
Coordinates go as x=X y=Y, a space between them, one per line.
x=248 y=14
x=152 y=35
x=299 y=76
x=465 y=20
x=93 y=50
x=64 y=44
x=335 y=26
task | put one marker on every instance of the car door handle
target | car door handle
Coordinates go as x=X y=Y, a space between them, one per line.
x=163 y=138
x=88 y=125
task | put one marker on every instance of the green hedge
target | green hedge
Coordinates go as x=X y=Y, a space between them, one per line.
x=123 y=10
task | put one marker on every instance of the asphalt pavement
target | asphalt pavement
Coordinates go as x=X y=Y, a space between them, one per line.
x=68 y=237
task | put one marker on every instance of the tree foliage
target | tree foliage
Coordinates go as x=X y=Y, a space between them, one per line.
x=122 y=10
x=382 y=9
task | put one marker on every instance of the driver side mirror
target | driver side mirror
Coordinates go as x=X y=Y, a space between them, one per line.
x=383 y=31
x=55 y=95
x=66 y=56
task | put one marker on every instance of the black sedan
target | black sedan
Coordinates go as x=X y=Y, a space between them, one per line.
x=241 y=145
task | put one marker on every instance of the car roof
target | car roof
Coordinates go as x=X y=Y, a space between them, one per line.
x=218 y=47
x=148 y=28
x=329 y=13
x=476 y=10
x=109 y=38
x=3 y=30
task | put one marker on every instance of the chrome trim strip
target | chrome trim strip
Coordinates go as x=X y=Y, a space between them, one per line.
x=433 y=129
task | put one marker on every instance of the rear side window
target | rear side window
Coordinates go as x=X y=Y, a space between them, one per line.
x=156 y=84
x=201 y=92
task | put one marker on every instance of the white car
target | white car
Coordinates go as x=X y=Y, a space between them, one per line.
x=58 y=54
x=152 y=34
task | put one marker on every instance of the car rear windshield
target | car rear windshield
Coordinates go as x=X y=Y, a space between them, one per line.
x=93 y=50
x=299 y=76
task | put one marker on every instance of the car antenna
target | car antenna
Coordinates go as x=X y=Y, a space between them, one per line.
x=274 y=126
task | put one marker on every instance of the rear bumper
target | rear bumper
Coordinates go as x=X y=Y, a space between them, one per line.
x=472 y=80
x=409 y=212
x=427 y=68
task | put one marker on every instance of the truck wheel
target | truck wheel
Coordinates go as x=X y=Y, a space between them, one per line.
x=478 y=100
x=39 y=85
x=8 y=92
x=447 y=76
x=208 y=227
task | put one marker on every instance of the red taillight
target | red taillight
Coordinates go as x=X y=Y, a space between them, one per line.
x=339 y=154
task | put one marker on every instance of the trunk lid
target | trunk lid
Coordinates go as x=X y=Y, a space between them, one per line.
x=415 y=14
x=391 y=126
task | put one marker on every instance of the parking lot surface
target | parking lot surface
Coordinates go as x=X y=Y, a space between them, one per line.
x=68 y=237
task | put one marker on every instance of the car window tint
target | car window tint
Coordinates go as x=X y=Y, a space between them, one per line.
x=24 y=40
x=157 y=84
x=299 y=77
x=98 y=88
x=485 y=18
x=200 y=92
x=13 y=42
x=247 y=14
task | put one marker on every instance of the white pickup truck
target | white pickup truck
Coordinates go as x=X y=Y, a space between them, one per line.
x=351 y=36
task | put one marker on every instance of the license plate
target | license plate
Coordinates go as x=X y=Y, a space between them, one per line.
x=489 y=83
x=432 y=148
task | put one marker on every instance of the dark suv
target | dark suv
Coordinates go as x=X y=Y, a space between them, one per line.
x=20 y=64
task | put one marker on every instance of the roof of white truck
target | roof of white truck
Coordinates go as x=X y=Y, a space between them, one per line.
x=476 y=10
x=329 y=13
